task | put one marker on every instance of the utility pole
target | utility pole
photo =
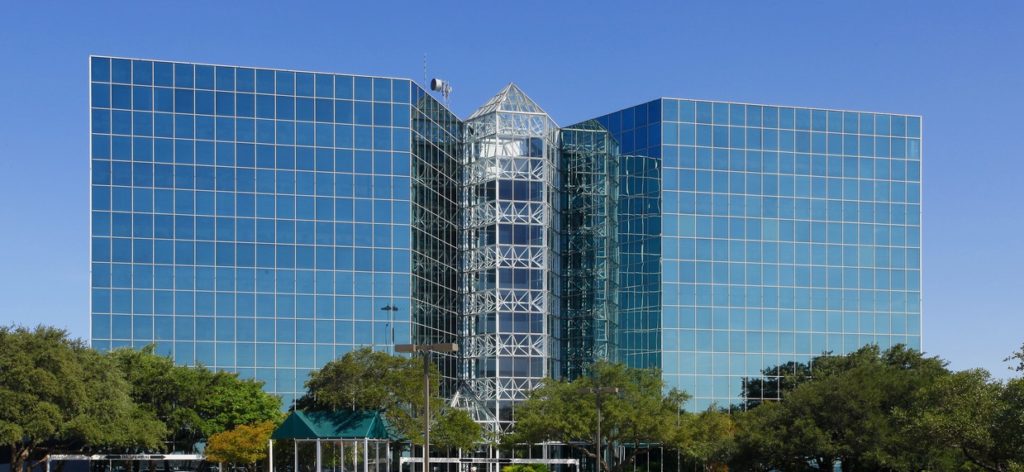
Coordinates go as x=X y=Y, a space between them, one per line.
x=598 y=395
x=426 y=349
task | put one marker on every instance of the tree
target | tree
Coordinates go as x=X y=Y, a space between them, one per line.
x=847 y=413
x=759 y=446
x=774 y=382
x=455 y=429
x=707 y=438
x=1017 y=357
x=365 y=379
x=230 y=401
x=526 y=468
x=640 y=416
x=192 y=401
x=58 y=395
x=244 y=444
x=772 y=436
x=971 y=413
x=109 y=419
x=165 y=390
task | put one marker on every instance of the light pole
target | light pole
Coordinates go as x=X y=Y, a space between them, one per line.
x=390 y=326
x=426 y=349
x=598 y=394
x=679 y=465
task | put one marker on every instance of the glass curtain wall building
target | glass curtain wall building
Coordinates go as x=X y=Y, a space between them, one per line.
x=785 y=233
x=267 y=221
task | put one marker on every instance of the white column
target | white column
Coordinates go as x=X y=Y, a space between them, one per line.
x=366 y=455
x=270 y=456
x=318 y=465
x=295 y=460
x=341 y=452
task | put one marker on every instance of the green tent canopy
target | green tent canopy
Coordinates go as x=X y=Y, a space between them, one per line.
x=361 y=424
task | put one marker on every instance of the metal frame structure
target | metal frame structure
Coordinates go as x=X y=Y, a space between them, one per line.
x=590 y=246
x=359 y=447
x=435 y=171
x=575 y=463
x=110 y=458
x=510 y=255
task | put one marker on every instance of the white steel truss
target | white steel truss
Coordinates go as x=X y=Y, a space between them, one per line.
x=500 y=167
x=489 y=213
x=509 y=141
x=488 y=257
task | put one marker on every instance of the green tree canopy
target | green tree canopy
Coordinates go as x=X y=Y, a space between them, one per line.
x=707 y=438
x=1018 y=358
x=194 y=402
x=365 y=379
x=230 y=401
x=526 y=468
x=642 y=415
x=58 y=395
x=774 y=382
x=244 y=444
x=847 y=412
x=455 y=429
x=973 y=414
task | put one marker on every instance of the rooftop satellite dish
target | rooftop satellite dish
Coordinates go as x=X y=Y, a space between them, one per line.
x=442 y=86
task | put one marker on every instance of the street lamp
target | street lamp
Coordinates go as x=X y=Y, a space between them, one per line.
x=599 y=392
x=390 y=326
x=426 y=349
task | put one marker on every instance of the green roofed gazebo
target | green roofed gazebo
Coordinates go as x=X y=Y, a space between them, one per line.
x=362 y=432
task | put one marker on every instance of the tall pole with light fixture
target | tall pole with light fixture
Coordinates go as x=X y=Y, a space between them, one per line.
x=598 y=393
x=390 y=326
x=426 y=349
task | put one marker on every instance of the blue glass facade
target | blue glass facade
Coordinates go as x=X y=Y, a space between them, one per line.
x=785 y=233
x=589 y=324
x=261 y=221
x=266 y=221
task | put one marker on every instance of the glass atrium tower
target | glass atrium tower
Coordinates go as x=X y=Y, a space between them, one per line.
x=267 y=221
x=511 y=251
x=590 y=248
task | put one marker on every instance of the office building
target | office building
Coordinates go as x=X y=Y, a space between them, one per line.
x=267 y=221
x=785 y=233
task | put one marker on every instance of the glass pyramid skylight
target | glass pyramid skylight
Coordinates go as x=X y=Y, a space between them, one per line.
x=510 y=99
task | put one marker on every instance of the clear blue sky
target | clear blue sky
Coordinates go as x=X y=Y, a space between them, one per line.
x=959 y=64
